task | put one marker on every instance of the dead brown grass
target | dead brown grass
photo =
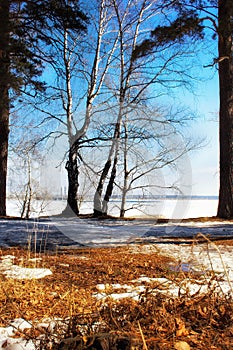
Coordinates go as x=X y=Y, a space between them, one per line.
x=155 y=321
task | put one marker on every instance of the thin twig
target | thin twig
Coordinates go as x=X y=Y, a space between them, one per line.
x=142 y=335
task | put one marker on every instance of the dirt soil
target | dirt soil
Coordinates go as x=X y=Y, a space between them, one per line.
x=154 y=321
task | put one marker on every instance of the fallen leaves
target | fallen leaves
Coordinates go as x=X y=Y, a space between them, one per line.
x=198 y=322
x=180 y=327
x=181 y=345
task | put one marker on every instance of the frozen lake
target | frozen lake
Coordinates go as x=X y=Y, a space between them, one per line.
x=162 y=208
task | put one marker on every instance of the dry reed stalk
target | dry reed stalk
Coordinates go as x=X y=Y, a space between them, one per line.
x=142 y=335
x=209 y=242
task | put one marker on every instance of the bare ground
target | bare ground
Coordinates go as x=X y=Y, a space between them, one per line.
x=154 y=321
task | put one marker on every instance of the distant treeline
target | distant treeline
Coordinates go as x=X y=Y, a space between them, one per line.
x=153 y=197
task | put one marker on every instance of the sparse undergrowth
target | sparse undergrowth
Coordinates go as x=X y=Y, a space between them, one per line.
x=154 y=321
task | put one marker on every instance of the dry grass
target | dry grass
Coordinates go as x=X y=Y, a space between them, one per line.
x=155 y=321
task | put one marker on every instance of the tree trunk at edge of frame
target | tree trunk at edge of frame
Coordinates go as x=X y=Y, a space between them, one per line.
x=225 y=206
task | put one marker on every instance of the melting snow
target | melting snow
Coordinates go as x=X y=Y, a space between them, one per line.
x=10 y=270
x=7 y=341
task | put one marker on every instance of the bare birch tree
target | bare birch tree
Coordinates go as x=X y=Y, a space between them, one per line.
x=24 y=175
x=149 y=145
x=197 y=19
x=135 y=79
x=78 y=63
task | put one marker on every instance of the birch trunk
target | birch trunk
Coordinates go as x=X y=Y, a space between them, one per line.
x=126 y=173
x=110 y=186
x=98 y=202
x=75 y=137
x=73 y=184
x=126 y=73
x=72 y=163
x=26 y=209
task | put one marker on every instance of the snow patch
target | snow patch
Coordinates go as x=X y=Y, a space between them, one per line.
x=7 y=336
x=10 y=270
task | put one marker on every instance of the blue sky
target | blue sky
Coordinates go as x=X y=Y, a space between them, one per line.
x=205 y=162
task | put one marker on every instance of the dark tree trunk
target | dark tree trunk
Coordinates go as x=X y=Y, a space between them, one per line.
x=225 y=206
x=98 y=193
x=124 y=191
x=99 y=206
x=4 y=100
x=73 y=184
x=110 y=186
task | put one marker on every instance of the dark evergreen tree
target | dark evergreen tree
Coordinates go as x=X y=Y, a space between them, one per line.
x=25 y=29
x=190 y=21
x=19 y=68
x=4 y=100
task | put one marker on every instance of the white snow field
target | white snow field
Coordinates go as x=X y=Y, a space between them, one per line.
x=168 y=208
